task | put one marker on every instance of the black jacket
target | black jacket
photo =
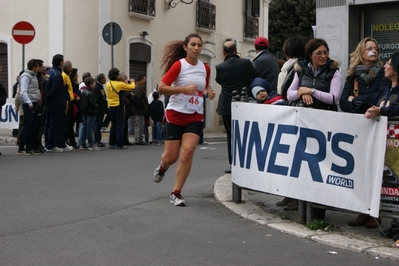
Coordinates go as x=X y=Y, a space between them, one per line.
x=390 y=94
x=156 y=110
x=267 y=67
x=3 y=95
x=233 y=74
x=361 y=103
x=99 y=93
x=88 y=104
x=141 y=107
x=56 y=92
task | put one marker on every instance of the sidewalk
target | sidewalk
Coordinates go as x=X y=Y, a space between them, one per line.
x=261 y=208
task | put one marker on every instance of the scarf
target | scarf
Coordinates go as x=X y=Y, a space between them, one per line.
x=367 y=73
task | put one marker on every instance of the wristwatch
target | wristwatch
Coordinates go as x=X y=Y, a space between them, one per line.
x=312 y=91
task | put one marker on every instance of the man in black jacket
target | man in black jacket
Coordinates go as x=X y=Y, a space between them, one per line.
x=233 y=74
x=265 y=63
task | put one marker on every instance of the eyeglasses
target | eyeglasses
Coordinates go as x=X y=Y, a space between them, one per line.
x=320 y=53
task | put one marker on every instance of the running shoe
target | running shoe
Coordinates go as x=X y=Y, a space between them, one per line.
x=94 y=148
x=67 y=147
x=55 y=149
x=24 y=153
x=177 y=200
x=159 y=173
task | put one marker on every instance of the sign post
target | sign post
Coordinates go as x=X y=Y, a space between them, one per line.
x=112 y=34
x=23 y=32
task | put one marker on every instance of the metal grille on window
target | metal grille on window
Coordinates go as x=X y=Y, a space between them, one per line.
x=145 y=7
x=206 y=15
x=251 y=20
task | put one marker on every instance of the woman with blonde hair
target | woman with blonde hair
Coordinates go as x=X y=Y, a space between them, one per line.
x=365 y=76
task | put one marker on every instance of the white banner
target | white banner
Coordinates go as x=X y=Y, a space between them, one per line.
x=331 y=158
x=9 y=116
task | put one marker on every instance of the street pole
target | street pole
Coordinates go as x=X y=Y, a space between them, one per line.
x=112 y=43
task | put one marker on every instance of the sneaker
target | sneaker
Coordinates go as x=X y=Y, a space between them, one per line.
x=36 y=152
x=100 y=144
x=121 y=147
x=177 y=200
x=82 y=148
x=55 y=149
x=159 y=173
x=104 y=129
x=24 y=153
x=94 y=148
x=68 y=148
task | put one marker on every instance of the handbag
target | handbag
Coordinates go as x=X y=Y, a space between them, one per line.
x=123 y=100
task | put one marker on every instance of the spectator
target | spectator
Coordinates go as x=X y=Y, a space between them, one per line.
x=82 y=85
x=75 y=113
x=67 y=69
x=157 y=113
x=140 y=110
x=101 y=100
x=88 y=106
x=317 y=82
x=233 y=74
x=38 y=133
x=262 y=92
x=365 y=77
x=116 y=108
x=30 y=99
x=384 y=103
x=265 y=63
x=294 y=50
x=56 y=98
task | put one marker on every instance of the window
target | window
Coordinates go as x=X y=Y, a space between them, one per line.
x=251 y=19
x=143 y=7
x=206 y=15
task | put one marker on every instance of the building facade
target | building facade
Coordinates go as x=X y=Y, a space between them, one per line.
x=343 y=23
x=75 y=29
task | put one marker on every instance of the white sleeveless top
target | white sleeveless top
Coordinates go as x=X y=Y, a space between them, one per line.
x=189 y=74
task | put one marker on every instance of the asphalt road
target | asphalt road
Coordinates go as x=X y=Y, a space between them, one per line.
x=103 y=208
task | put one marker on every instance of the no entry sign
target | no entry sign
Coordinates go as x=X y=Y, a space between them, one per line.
x=23 y=32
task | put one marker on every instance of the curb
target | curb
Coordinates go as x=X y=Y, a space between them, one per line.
x=248 y=210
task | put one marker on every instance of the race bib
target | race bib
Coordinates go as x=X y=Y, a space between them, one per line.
x=193 y=102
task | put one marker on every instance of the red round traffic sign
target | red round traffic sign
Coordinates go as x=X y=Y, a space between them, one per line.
x=23 y=32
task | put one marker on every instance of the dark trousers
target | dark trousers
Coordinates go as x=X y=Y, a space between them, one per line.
x=28 y=127
x=53 y=129
x=71 y=132
x=117 y=126
x=125 y=129
x=38 y=133
x=98 y=125
x=227 y=126
x=107 y=119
